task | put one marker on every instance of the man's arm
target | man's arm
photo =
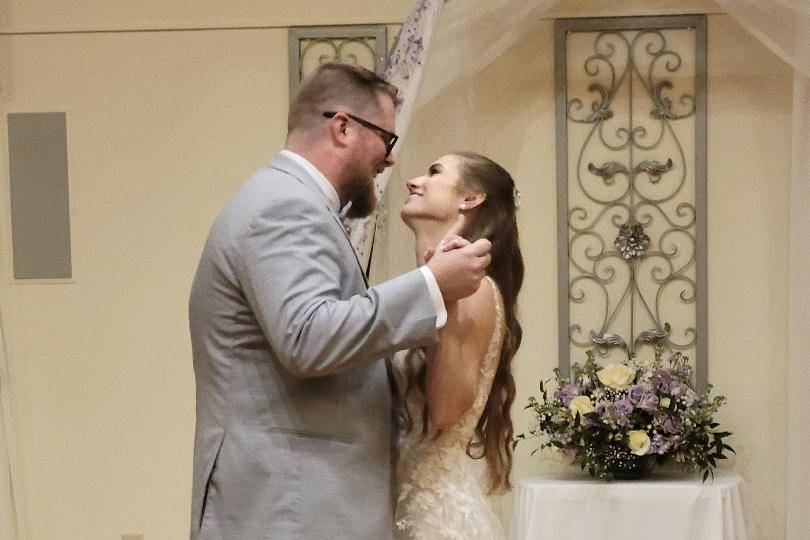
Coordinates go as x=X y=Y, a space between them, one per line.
x=290 y=267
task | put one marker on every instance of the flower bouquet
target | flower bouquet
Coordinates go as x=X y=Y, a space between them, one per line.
x=620 y=420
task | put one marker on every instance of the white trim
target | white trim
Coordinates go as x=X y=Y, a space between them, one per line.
x=273 y=23
x=798 y=365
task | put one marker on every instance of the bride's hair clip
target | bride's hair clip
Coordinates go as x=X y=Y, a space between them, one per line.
x=516 y=197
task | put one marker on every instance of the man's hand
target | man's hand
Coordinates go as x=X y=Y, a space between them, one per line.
x=458 y=265
x=447 y=244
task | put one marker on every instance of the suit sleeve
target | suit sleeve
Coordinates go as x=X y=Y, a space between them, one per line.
x=290 y=273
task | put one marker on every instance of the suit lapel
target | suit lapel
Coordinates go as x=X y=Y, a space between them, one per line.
x=349 y=241
x=283 y=163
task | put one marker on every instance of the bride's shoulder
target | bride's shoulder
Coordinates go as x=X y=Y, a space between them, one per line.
x=480 y=309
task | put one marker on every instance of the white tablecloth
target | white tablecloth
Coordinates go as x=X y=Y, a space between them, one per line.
x=661 y=507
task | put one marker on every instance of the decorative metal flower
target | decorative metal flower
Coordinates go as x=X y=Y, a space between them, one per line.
x=632 y=243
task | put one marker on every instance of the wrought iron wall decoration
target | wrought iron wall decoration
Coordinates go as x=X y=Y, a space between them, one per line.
x=631 y=171
x=311 y=46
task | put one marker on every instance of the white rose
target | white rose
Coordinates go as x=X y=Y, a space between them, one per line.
x=617 y=376
x=580 y=405
x=638 y=441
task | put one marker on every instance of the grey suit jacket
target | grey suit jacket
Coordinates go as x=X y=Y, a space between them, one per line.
x=293 y=425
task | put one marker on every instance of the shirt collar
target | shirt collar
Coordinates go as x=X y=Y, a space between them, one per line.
x=326 y=186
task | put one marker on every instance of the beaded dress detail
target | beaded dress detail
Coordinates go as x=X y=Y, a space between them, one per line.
x=439 y=495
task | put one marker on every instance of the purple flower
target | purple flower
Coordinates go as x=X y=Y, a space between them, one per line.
x=635 y=393
x=624 y=407
x=659 y=445
x=690 y=398
x=602 y=409
x=567 y=393
x=661 y=381
x=671 y=425
x=648 y=402
x=623 y=420
x=678 y=389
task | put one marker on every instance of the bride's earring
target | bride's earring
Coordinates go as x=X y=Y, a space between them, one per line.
x=462 y=207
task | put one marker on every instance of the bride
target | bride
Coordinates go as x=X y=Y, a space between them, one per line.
x=454 y=397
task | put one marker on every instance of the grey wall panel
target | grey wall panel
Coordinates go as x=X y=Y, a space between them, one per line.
x=40 y=214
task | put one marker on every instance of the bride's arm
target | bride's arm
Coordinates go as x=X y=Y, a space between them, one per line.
x=453 y=365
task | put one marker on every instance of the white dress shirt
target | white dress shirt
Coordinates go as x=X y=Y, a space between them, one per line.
x=332 y=196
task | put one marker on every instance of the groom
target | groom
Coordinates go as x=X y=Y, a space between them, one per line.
x=293 y=402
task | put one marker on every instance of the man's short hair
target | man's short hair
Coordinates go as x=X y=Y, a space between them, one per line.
x=336 y=87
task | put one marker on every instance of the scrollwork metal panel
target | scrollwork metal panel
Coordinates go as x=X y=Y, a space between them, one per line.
x=631 y=168
x=311 y=46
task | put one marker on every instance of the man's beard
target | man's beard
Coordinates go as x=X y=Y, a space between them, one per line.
x=363 y=198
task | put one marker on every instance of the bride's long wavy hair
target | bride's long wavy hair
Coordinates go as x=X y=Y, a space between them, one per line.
x=495 y=220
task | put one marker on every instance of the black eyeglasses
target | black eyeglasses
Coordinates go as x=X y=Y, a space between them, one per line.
x=389 y=138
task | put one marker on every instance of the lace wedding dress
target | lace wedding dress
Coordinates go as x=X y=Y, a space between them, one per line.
x=439 y=494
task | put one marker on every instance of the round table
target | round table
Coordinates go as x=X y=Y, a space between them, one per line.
x=663 y=506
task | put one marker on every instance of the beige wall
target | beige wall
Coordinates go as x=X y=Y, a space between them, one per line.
x=164 y=125
x=106 y=15
x=748 y=201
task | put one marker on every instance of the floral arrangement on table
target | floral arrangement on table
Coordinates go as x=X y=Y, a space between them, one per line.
x=618 y=421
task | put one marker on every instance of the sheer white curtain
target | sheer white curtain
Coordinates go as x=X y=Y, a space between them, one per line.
x=798 y=363
x=471 y=34
x=404 y=70
x=456 y=39
x=784 y=26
